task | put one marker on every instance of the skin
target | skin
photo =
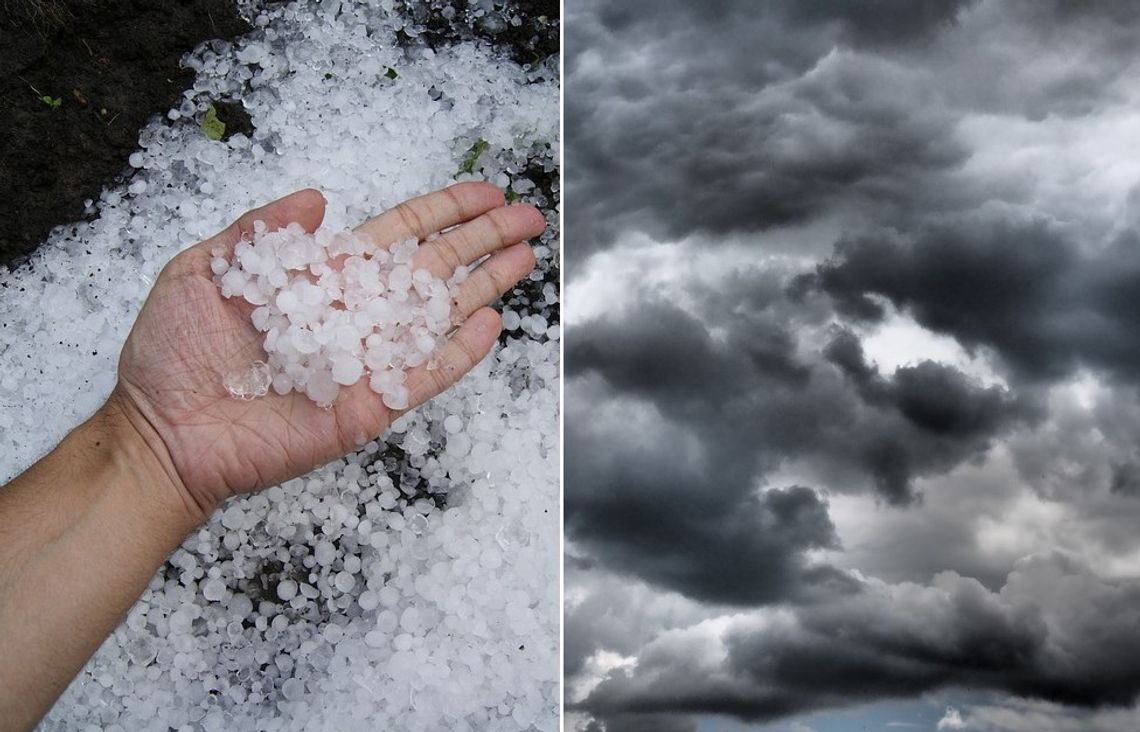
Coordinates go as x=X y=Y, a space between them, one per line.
x=83 y=530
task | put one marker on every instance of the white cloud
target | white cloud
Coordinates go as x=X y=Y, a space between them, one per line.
x=951 y=720
x=1023 y=715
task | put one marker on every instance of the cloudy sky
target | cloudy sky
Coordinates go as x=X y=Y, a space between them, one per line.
x=853 y=356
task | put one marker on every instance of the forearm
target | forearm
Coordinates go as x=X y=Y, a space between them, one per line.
x=81 y=534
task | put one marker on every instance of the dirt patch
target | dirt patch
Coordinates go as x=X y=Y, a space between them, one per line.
x=81 y=78
x=525 y=30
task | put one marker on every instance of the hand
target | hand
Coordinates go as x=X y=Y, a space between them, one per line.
x=188 y=336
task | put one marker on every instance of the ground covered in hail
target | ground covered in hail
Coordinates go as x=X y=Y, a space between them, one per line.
x=414 y=584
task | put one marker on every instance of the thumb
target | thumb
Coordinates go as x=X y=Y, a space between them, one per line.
x=305 y=207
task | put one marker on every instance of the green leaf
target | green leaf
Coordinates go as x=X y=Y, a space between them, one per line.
x=512 y=196
x=51 y=102
x=391 y=73
x=211 y=126
x=472 y=156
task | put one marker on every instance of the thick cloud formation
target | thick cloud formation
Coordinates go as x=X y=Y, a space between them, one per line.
x=904 y=272
x=1055 y=630
x=934 y=398
x=733 y=116
x=876 y=23
x=700 y=158
x=1020 y=288
x=664 y=526
x=750 y=400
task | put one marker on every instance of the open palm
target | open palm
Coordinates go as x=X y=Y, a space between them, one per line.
x=187 y=336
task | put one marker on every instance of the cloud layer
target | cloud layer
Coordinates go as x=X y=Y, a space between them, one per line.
x=1042 y=635
x=851 y=382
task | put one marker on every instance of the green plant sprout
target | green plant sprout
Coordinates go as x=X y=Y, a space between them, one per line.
x=211 y=126
x=47 y=99
x=472 y=156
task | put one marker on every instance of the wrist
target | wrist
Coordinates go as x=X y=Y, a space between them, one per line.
x=82 y=531
x=141 y=457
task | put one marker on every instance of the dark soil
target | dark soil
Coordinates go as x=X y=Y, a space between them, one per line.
x=529 y=291
x=105 y=67
x=529 y=43
x=404 y=471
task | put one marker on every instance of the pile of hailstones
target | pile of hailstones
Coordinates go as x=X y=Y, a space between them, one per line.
x=334 y=308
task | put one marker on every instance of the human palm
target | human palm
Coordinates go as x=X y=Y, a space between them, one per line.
x=187 y=337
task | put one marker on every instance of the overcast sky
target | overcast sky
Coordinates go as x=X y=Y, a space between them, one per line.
x=853 y=349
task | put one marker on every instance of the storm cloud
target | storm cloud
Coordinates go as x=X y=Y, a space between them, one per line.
x=1041 y=635
x=1020 y=288
x=737 y=117
x=847 y=280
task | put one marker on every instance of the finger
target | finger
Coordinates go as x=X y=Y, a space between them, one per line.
x=491 y=279
x=490 y=232
x=470 y=344
x=305 y=207
x=425 y=215
x=364 y=409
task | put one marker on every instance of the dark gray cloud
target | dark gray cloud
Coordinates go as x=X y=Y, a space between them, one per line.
x=1023 y=289
x=751 y=399
x=732 y=160
x=728 y=425
x=678 y=528
x=934 y=398
x=1055 y=630
x=676 y=140
x=733 y=117
x=877 y=22
x=678 y=505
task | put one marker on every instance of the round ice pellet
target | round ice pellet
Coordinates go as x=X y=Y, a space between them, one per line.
x=410 y=620
x=214 y=590
x=386 y=621
x=368 y=600
x=324 y=553
x=293 y=689
x=396 y=397
x=344 y=581
x=286 y=590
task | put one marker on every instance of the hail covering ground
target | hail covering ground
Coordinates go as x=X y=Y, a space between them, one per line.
x=414 y=584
